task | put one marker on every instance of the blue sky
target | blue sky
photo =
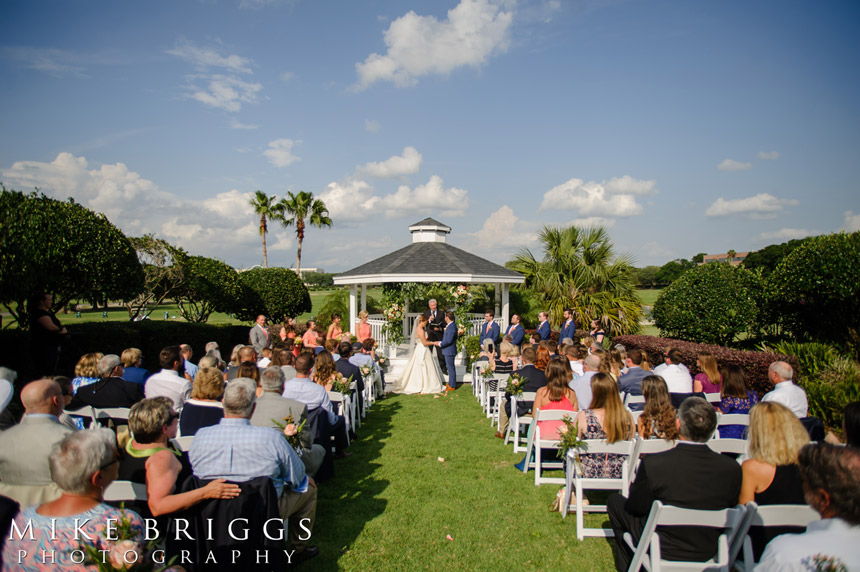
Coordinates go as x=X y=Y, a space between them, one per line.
x=682 y=127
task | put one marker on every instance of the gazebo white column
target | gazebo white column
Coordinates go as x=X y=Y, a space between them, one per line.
x=406 y=332
x=353 y=313
x=496 y=298
x=364 y=297
x=506 y=305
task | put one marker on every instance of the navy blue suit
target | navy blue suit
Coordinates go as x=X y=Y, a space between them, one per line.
x=544 y=330
x=567 y=331
x=449 y=351
x=631 y=382
x=492 y=335
x=517 y=334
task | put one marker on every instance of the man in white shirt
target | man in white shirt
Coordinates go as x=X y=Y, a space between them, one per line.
x=675 y=373
x=830 y=475
x=784 y=389
x=572 y=354
x=582 y=385
x=169 y=382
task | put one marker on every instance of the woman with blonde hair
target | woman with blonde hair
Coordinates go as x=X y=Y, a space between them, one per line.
x=131 y=360
x=709 y=380
x=204 y=407
x=87 y=370
x=771 y=474
x=605 y=418
x=605 y=365
x=658 y=417
x=363 y=330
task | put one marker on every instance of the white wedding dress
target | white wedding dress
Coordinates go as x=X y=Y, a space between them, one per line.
x=422 y=373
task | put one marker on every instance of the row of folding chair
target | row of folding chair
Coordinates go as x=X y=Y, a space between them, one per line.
x=517 y=423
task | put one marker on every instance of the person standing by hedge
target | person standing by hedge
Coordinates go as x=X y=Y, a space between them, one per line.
x=46 y=334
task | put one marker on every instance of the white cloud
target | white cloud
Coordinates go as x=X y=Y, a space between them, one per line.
x=397 y=166
x=504 y=230
x=431 y=199
x=768 y=155
x=280 y=152
x=593 y=221
x=852 y=222
x=287 y=76
x=372 y=126
x=785 y=234
x=351 y=200
x=223 y=90
x=423 y=45
x=732 y=165
x=236 y=124
x=222 y=226
x=762 y=205
x=614 y=198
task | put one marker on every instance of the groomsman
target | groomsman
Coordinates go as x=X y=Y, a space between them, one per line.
x=568 y=328
x=489 y=330
x=516 y=331
x=543 y=328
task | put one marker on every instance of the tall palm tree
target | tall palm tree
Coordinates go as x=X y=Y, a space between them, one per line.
x=303 y=209
x=268 y=208
x=579 y=270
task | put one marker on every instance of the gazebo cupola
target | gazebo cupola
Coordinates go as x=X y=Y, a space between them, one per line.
x=429 y=230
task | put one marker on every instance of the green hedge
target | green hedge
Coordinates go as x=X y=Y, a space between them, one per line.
x=113 y=337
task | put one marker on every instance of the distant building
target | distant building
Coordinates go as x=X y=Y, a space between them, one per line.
x=736 y=259
x=304 y=269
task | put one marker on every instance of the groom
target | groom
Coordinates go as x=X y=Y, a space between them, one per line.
x=448 y=345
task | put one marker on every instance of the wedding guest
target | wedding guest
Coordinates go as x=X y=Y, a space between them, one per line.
x=364 y=329
x=131 y=359
x=249 y=370
x=572 y=354
x=325 y=371
x=709 y=380
x=204 y=408
x=771 y=473
x=784 y=389
x=46 y=333
x=211 y=360
x=111 y=390
x=658 y=417
x=87 y=370
x=334 y=329
x=234 y=355
x=213 y=349
x=605 y=418
x=170 y=382
x=616 y=363
x=535 y=379
x=542 y=357
x=65 y=384
x=82 y=465
x=675 y=373
x=284 y=359
x=735 y=397
x=245 y=354
x=555 y=396
x=582 y=384
x=190 y=368
x=631 y=382
x=506 y=362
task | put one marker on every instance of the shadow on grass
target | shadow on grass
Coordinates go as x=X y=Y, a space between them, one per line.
x=348 y=501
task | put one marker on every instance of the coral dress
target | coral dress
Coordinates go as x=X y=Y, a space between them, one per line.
x=549 y=429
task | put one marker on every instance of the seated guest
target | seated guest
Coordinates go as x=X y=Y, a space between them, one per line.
x=631 y=382
x=582 y=384
x=234 y=355
x=302 y=388
x=535 y=380
x=771 y=474
x=555 y=396
x=87 y=370
x=552 y=348
x=149 y=458
x=784 y=390
x=243 y=355
x=238 y=451
x=506 y=362
x=534 y=340
x=265 y=358
x=736 y=397
x=851 y=424
x=249 y=370
x=349 y=370
x=675 y=373
x=204 y=408
x=571 y=352
x=190 y=368
x=488 y=351
x=325 y=371
x=283 y=358
x=271 y=407
x=111 y=390
x=542 y=357
x=364 y=356
x=330 y=346
x=213 y=349
x=689 y=476
x=709 y=380
x=830 y=475
x=211 y=361
x=658 y=417
x=616 y=364
x=25 y=474
x=131 y=359
x=605 y=418
x=75 y=423
x=170 y=381
x=82 y=465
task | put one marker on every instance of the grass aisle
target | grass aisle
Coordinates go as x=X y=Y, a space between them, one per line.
x=392 y=504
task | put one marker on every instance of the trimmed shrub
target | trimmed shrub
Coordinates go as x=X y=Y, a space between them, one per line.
x=273 y=292
x=712 y=303
x=754 y=364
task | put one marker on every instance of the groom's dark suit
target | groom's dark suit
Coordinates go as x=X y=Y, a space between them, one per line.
x=689 y=476
x=434 y=331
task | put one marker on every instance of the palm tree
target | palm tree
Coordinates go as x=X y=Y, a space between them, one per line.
x=269 y=208
x=303 y=209
x=580 y=271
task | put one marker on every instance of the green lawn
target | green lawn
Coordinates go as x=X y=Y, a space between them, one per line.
x=391 y=505
x=648 y=296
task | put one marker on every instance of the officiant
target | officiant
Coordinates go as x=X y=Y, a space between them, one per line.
x=435 y=329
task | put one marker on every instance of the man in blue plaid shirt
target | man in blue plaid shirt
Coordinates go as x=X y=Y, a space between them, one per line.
x=237 y=451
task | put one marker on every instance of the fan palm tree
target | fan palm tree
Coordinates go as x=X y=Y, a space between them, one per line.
x=579 y=270
x=303 y=209
x=268 y=208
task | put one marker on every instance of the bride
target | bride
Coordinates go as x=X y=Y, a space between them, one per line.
x=422 y=373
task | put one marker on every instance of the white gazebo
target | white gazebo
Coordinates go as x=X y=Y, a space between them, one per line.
x=428 y=259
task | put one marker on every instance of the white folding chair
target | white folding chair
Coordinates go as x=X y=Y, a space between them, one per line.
x=646 y=447
x=713 y=398
x=647 y=553
x=353 y=405
x=515 y=422
x=537 y=442
x=576 y=482
x=342 y=401
x=772 y=515
x=125 y=491
x=120 y=413
x=730 y=419
x=733 y=446
x=88 y=414
x=631 y=399
x=497 y=396
x=183 y=443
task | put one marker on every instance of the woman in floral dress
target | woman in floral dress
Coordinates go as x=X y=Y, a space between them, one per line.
x=607 y=419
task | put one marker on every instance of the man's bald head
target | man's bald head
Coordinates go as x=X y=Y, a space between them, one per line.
x=42 y=396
